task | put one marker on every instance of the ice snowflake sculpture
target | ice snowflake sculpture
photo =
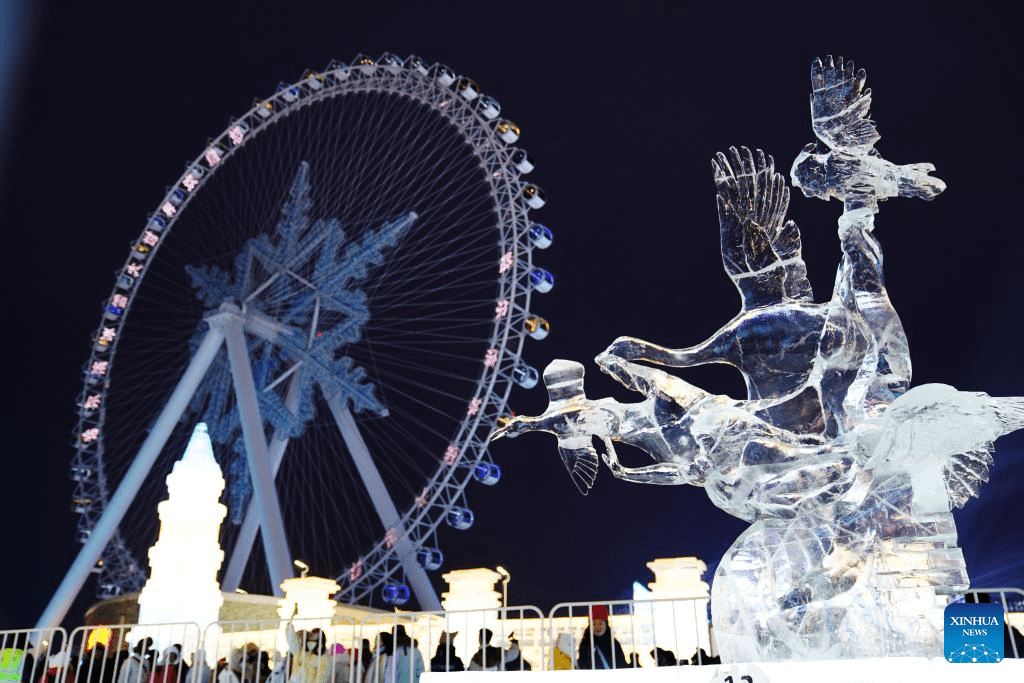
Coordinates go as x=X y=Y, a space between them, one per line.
x=302 y=283
x=846 y=474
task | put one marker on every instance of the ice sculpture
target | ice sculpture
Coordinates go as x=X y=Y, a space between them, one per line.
x=846 y=474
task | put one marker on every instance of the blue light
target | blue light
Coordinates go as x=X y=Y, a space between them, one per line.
x=395 y=594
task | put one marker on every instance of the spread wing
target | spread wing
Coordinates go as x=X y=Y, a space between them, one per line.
x=840 y=105
x=966 y=473
x=760 y=249
x=580 y=459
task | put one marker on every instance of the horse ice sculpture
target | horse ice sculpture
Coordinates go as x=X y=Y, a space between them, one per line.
x=846 y=476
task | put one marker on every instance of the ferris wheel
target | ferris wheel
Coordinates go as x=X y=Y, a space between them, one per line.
x=340 y=286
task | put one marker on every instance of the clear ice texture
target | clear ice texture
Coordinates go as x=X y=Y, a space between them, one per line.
x=846 y=474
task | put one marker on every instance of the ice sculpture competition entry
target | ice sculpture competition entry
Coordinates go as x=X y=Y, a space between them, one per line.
x=846 y=474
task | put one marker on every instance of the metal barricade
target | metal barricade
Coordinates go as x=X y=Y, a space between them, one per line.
x=314 y=650
x=397 y=646
x=643 y=633
x=132 y=653
x=34 y=655
x=1012 y=600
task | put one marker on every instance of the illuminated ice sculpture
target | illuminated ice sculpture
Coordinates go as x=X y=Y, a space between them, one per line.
x=182 y=588
x=846 y=474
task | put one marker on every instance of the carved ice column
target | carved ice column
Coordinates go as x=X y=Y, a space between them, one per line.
x=307 y=600
x=472 y=603
x=680 y=625
x=182 y=586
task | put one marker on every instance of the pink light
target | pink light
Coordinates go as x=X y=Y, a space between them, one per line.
x=236 y=134
x=134 y=268
x=119 y=300
x=168 y=209
x=151 y=238
x=474 y=407
x=506 y=262
x=190 y=182
x=501 y=310
x=108 y=334
x=90 y=435
x=444 y=103
x=421 y=500
x=212 y=156
x=356 y=571
x=491 y=358
x=451 y=454
x=92 y=402
x=99 y=367
x=390 y=537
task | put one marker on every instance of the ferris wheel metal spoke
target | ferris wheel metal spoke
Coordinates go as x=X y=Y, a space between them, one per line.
x=250 y=524
x=383 y=504
x=275 y=541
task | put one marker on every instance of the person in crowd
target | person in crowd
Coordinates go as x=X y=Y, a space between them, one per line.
x=406 y=663
x=313 y=661
x=17 y=662
x=664 y=657
x=279 y=671
x=170 y=668
x=361 y=660
x=381 y=657
x=59 y=667
x=488 y=657
x=98 y=664
x=702 y=657
x=136 y=668
x=445 y=658
x=242 y=666
x=513 y=656
x=598 y=649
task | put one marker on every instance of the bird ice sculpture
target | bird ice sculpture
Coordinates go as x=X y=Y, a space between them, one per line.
x=846 y=474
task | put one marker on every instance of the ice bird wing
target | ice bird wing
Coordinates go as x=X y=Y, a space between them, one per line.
x=840 y=105
x=580 y=458
x=760 y=249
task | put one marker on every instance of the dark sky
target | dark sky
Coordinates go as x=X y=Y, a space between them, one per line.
x=622 y=105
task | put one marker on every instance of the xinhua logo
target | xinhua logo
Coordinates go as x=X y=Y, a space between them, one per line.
x=973 y=633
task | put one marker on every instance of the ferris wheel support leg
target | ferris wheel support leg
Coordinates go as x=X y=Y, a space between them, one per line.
x=426 y=596
x=101 y=534
x=249 y=526
x=275 y=543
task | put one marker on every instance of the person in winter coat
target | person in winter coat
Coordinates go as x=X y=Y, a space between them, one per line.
x=598 y=649
x=170 y=668
x=361 y=660
x=98 y=664
x=404 y=663
x=381 y=656
x=243 y=666
x=514 y=657
x=313 y=661
x=136 y=668
x=445 y=658
x=17 y=663
x=488 y=657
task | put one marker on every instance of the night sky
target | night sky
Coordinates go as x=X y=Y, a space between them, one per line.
x=622 y=105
